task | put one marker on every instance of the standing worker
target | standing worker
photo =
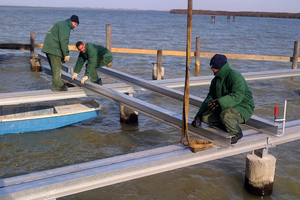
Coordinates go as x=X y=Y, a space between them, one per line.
x=96 y=55
x=57 y=50
x=229 y=101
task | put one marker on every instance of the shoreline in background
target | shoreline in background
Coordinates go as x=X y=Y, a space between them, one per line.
x=241 y=14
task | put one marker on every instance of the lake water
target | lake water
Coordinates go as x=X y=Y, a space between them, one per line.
x=104 y=136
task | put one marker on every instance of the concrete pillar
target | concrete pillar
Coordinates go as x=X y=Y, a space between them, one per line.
x=260 y=172
x=127 y=115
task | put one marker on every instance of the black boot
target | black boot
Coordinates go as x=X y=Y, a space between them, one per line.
x=63 y=88
x=99 y=81
x=236 y=138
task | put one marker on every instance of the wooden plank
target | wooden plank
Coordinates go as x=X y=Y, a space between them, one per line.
x=202 y=54
x=15 y=46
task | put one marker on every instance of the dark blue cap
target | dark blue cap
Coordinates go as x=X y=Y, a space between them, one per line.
x=218 y=61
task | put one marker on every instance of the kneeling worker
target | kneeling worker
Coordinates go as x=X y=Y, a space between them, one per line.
x=229 y=101
x=96 y=55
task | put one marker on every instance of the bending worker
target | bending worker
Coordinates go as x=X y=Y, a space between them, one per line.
x=96 y=55
x=57 y=50
x=229 y=101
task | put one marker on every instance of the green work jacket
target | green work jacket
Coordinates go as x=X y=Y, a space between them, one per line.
x=231 y=90
x=93 y=55
x=57 y=39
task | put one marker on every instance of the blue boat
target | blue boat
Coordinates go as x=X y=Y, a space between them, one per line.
x=40 y=116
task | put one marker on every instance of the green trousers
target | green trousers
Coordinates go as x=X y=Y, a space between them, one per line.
x=55 y=64
x=228 y=120
x=102 y=61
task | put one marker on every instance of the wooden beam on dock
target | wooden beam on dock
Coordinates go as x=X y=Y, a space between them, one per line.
x=15 y=46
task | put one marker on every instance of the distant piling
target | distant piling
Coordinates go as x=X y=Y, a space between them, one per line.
x=228 y=18
x=158 y=71
x=213 y=19
x=197 y=55
x=108 y=40
x=295 y=55
x=34 y=62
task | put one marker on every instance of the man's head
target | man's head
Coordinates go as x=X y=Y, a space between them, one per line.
x=80 y=46
x=75 y=20
x=217 y=62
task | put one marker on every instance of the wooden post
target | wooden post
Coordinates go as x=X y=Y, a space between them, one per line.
x=197 y=57
x=108 y=39
x=186 y=100
x=228 y=18
x=159 y=65
x=213 y=19
x=233 y=18
x=34 y=62
x=295 y=55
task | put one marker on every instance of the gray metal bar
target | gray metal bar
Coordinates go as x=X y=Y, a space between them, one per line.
x=250 y=76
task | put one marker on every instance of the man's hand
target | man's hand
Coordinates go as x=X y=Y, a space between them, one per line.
x=74 y=76
x=66 y=58
x=84 y=79
x=214 y=106
x=196 y=123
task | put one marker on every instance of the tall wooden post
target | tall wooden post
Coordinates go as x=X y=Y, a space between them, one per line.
x=159 y=65
x=197 y=56
x=108 y=39
x=233 y=18
x=187 y=74
x=34 y=62
x=295 y=55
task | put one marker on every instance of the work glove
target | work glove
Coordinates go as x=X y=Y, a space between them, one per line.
x=196 y=123
x=74 y=76
x=84 y=79
x=66 y=58
x=214 y=106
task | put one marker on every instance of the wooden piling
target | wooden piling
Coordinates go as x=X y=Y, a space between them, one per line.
x=213 y=19
x=228 y=18
x=233 y=18
x=197 y=55
x=108 y=39
x=159 y=65
x=295 y=55
x=34 y=62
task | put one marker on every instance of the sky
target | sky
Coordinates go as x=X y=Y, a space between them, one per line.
x=290 y=6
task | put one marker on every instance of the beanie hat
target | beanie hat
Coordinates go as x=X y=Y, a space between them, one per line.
x=74 y=18
x=218 y=61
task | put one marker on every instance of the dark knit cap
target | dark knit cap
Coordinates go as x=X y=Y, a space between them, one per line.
x=218 y=61
x=74 y=18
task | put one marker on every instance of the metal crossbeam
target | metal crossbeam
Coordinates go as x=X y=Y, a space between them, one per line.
x=250 y=76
